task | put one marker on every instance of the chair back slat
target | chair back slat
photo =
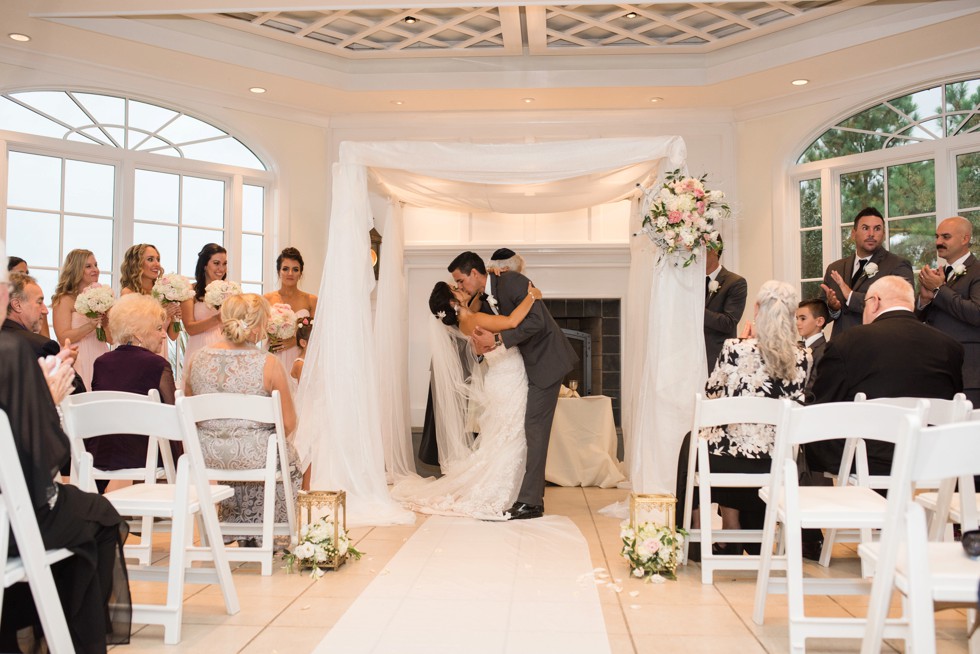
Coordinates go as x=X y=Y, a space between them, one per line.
x=90 y=419
x=940 y=411
x=947 y=451
x=731 y=410
x=215 y=406
x=866 y=420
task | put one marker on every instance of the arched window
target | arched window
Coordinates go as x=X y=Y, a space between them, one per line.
x=101 y=172
x=914 y=157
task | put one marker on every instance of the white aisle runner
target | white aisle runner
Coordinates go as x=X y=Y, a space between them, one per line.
x=460 y=585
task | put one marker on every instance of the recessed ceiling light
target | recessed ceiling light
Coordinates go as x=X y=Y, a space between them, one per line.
x=800 y=82
x=410 y=19
x=257 y=89
x=23 y=38
x=631 y=14
x=527 y=100
x=398 y=102
x=656 y=99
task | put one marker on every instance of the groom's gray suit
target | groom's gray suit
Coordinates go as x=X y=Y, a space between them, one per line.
x=548 y=357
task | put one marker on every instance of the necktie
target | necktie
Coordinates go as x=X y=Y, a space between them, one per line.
x=949 y=272
x=707 y=282
x=857 y=273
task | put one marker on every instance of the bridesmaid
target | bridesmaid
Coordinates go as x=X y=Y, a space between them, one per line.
x=140 y=269
x=79 y=271
x=289 y=267
x=201 y=322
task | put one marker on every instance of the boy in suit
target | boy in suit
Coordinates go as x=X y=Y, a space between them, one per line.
x=811 y=317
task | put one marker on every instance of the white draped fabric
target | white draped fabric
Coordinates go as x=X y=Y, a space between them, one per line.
x=355 y=395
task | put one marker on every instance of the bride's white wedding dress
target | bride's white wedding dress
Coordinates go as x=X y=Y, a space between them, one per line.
x=484 y=483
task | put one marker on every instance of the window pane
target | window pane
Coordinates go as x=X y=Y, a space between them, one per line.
x=16 y=118
x=34 y=181
x=148 y=117
x=865 y=188
x=228 y=151
x=810 y=203
x=192 y=240
x=914 y=239
x=809 y=290
x=56 y=104
x=47 y=280
x=846 y=244
x=252 y=257
x=912 y=188
x=203 y=202
x=89 y=187
x=968 y=180
x=93 y=234
x=962 y=95
x=252 y=288
x=34 y=237
x=156 y=196
x=253 y=208
x=186 y=129
x=811 y=253
x=163 y=238
x=104 y=108
x=974 y=218
x=920 y=104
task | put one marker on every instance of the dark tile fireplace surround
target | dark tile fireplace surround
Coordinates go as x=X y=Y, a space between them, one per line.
x=600 y=318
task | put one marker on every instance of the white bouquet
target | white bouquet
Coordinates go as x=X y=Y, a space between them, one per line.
x=282 y=323
x=652 y=550
x=218 y=291
x=168 y=289
x=316 y=547
x=94 y=302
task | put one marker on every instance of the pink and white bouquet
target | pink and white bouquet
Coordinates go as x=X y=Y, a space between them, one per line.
x=170 y=289
x=94 y=302
x=682 y=216
x=282 y=323
x=218 y=291
x=652 y=550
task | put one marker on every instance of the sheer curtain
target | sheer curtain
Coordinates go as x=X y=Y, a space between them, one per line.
x=354 y=389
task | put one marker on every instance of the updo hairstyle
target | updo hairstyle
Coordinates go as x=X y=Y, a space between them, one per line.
x=244 y=318
x=442 y=299
x=289 y=253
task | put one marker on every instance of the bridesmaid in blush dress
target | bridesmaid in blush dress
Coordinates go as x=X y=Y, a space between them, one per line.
x=79 y=271
x=140 y=269
x=201 y=322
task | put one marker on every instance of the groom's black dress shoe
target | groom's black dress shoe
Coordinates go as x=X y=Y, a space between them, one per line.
x=522 y=511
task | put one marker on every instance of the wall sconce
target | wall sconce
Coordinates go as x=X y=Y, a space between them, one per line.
x=376 y=252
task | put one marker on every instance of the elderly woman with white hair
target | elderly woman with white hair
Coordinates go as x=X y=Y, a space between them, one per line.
x=766 y=362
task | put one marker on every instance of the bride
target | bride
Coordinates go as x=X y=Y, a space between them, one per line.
x=482 y=476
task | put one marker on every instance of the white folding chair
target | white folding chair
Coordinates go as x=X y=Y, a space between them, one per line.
x=924 y=572
x=715 y=413
x=34 y=563
x=216 y=406
x=939 y=412
x=176 y=502
x=814 y=507
x=84 y=473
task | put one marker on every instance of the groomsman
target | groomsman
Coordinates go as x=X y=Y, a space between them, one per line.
x=949 y=297
x=847 y=280
x=724 y=302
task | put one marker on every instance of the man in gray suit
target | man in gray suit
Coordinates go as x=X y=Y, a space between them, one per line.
x=847 y=280
x=724 y=302
x=949 y=297
x=548 y=357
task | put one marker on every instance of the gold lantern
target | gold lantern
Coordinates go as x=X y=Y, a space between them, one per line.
x=663 y=504
x=335 y=505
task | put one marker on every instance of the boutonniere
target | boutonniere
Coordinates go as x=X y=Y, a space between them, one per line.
x=870 y=269
x=713 y=286
x=492 y=301
x=959 y=270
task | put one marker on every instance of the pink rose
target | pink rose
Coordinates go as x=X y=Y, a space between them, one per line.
x=674 y=217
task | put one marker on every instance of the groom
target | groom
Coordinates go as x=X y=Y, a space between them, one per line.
x=547 y=359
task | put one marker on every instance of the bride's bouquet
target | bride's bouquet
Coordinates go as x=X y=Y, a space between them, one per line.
x=170 y=289
x=682 y=216
x=652 y=550
x=218 y=291
x=94 y=302
x=282 y=323
x=317 y=550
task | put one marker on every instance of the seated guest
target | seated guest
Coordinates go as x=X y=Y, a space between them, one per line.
x=766 y=362
x=139 y=324
x=891 y=355
x=26 y=312
x=18 y=265
x=811 y=316
x=92 y=585
x=236 y=365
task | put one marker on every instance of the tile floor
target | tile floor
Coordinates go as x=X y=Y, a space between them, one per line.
x=292 y=613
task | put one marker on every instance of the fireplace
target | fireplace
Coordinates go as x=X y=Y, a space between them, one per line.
x=593 y=329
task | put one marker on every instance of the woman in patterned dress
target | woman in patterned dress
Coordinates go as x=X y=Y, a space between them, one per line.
x=235 y=364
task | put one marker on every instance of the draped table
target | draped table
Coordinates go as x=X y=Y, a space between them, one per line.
x=582 y=451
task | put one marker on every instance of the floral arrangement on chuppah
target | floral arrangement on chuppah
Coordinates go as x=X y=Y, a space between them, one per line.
x=281 y=325
x=682 y=216
x=218 y=291
x=168 y=289
x=316 y=548
x=94 y=302
x=652 y=550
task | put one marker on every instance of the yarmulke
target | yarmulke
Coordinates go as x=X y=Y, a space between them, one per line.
x=502 y=254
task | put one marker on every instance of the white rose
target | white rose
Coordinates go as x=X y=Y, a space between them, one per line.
x=303 y=551
x=713 y=286
x=871 y=269
x=638 y=573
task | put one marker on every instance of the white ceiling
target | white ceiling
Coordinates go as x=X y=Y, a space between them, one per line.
x=350 y=57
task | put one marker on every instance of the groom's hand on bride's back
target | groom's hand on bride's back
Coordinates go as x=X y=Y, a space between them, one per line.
x=482 y=340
